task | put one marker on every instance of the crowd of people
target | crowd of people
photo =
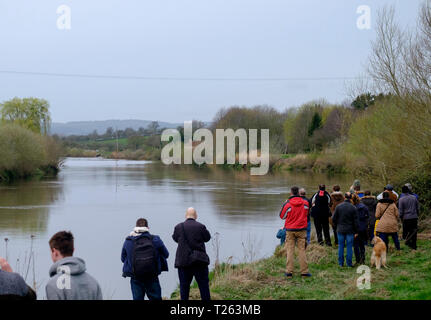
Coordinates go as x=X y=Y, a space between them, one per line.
x=144 y=257
x=356 y=217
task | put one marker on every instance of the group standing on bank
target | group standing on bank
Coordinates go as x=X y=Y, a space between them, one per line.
x=356 y=218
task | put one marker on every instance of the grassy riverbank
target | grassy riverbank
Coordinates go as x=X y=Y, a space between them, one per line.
x=408 y=277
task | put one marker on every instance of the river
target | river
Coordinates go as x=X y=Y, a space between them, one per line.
x=99 y=200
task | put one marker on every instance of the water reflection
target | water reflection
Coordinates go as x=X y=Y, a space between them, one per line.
x=25 y=207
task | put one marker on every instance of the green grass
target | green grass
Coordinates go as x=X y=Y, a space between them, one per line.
x=408 y=277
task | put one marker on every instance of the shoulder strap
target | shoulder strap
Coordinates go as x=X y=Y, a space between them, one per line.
x=185 y=235
x=385 y=210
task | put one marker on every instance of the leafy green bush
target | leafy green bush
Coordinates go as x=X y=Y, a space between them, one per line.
x=25 y=153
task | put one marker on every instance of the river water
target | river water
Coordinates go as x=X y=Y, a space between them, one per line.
x=100 y=200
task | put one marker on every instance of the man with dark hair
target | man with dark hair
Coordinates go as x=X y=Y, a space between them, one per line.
x=144 y=258
x=321 y=213
x=295 y=212
x=409 y=211
x=69 y=279
x=410 y=187
x=12 y=285
x=346 y=221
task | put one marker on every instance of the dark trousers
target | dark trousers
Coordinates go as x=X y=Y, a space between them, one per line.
x=201 y=275
x=322 y=224
x=151 y=287
x=371 y=225
x=359 y=243
x=410 y=232
x=385 y=238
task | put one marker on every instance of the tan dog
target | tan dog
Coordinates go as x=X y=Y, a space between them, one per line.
x=378 y=257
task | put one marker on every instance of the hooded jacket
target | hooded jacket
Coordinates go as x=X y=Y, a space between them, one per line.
x=69 y=281
x=388 y=214
x=295 y=212
x=127 y=252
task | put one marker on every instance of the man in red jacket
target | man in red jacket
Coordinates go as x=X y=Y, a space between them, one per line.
x=295 y=211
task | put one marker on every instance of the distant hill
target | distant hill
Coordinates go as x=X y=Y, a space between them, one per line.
x=86 y=127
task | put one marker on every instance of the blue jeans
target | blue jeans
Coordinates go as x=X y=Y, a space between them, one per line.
x=308 y=231
x=348 y=238
x=150 y=287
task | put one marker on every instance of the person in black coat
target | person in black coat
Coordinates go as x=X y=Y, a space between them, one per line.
x=191 y=258
x=320 y=211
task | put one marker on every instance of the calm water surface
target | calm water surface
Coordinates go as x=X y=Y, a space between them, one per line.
x=100 y=200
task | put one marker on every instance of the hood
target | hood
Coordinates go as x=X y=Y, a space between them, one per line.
x=296 y=201
x=368 y=197
x=337 y=196
x=137 y=231
x=386 y=201
x=75 y=265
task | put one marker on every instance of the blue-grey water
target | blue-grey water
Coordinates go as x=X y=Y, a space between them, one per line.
x=100 y=200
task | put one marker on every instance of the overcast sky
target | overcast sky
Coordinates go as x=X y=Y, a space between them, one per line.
x=225 y=39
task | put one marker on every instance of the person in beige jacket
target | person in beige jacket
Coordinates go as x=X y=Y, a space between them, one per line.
x=388 y=214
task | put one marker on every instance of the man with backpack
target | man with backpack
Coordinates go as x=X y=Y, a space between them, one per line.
x=144 y=258
x=321 y=212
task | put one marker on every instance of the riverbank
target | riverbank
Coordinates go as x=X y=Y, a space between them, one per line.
x=407 y=278
x=27 y=154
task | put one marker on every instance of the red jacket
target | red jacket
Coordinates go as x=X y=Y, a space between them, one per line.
x=295 y=211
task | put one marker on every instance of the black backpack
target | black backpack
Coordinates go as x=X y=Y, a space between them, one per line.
x=144 y=262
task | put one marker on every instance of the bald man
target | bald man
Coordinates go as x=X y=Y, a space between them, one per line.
x=191 y=258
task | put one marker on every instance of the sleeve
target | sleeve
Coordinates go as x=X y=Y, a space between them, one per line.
x=401 y=207
x=355 y=220
x=163 y=250
x=313 y=199
x=367 y=213
x=206 y=234
x=335 y=217
x=124 y=252
x=175 y=236
x=397 y=213
x=285 y=209
x=31 y=294
x=99 y=295
x=378 y=211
